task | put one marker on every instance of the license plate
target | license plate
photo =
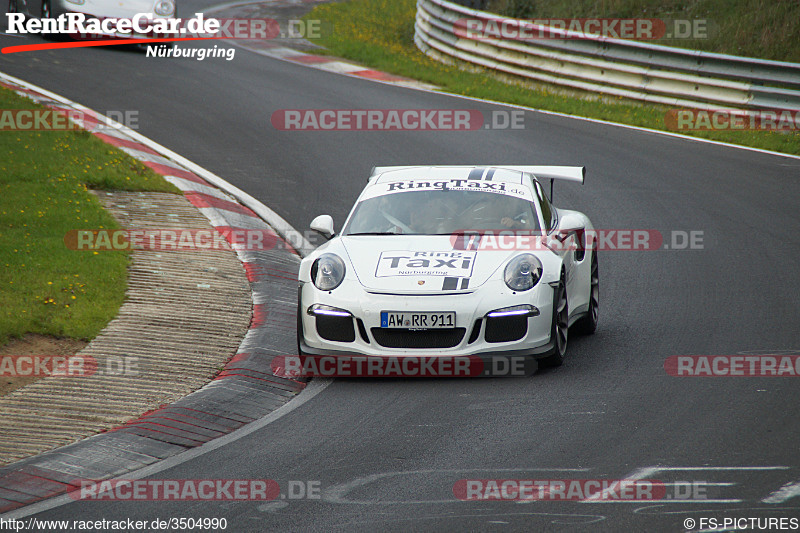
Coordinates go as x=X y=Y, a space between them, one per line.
x=422 y=320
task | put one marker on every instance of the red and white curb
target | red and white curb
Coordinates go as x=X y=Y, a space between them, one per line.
x=244 y=392
x=338 y=66
x=326 y=63
x=219 y=207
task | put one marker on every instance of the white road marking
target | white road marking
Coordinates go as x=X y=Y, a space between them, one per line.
x=787 y=492
x=338 y=493
x=650 y=471
x=191 y=186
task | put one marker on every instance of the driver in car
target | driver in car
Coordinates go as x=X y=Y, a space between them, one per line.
x=495 y=208
x=425 y=217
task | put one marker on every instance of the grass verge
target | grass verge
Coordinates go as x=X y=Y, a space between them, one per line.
x=45 y=177
x=752 y=28
x=380 y=34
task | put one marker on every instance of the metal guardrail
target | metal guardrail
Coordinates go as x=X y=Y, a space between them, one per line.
x=615 y=67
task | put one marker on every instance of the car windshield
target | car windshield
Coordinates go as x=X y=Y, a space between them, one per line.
x=441 y=212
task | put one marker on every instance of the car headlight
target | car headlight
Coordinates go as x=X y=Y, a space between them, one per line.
x=523 y=272
x=164 y=8
x=327 y=272
x=514 y=310
x=77 y=2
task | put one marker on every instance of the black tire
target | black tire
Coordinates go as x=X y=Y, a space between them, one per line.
x=559 y=331
x=588 y=324
x=47 y=13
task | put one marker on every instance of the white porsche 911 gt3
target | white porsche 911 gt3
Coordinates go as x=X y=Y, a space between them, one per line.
x=450 y=261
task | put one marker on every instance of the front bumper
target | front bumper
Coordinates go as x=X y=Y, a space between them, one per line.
x=358 y=330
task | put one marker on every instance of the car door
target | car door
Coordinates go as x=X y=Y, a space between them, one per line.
x=567 y=248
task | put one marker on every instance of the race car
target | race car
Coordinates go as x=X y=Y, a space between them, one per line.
x=450 y=261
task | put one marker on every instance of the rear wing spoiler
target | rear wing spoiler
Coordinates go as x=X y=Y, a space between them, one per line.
x=552 y=173
x=574 y=174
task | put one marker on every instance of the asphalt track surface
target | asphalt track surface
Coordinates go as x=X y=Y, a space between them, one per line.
x=387 y=452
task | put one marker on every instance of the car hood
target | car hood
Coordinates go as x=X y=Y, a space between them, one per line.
x=416 y=264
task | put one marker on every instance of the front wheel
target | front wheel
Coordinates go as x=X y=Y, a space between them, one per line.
x=47 y=12
x=588 y=324
x=559 y=331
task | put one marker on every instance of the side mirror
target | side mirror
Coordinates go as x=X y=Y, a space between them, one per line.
x=324 y=225
x=569 y=224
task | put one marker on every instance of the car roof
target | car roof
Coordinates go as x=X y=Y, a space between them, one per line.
x=429 y=173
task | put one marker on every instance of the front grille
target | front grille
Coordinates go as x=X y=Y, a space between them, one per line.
x=506 y=328
x=336 y=328
x=428 y=338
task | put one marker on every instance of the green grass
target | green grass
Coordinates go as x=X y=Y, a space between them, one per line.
x=46 y=288
x=752 y=28
x=380 y=33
